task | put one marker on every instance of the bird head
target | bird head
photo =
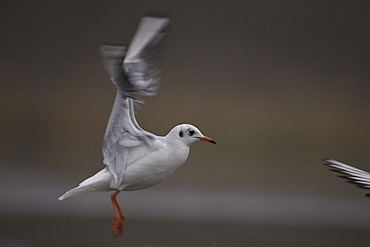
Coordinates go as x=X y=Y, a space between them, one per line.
x=189 y=134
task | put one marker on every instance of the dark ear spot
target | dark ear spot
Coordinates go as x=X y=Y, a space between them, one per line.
x=181 y=134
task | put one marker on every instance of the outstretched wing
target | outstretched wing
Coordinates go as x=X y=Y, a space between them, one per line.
x=353 y=175
x=135 y=74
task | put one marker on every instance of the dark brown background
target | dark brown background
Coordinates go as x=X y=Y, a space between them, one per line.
x=279 y=85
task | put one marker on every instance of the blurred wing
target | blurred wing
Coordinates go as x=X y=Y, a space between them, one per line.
x=136 y=72
x=350 y=173
x=112 y=59
x=125 y=141
x=141 y=63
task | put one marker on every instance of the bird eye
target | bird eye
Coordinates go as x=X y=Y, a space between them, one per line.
x=181 y=134
x=191 y=132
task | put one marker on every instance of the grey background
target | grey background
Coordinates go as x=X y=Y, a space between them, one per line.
x=280 y=85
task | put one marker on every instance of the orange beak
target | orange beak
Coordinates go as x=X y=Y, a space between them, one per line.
x=206 y=139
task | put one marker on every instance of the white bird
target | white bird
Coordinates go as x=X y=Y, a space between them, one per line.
x=353 y=175
x=136 y=159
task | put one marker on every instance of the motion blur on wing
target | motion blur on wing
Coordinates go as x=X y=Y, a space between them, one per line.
x=136 y=159
x=353 y=175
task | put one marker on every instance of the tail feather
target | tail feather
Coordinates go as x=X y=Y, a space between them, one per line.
x=98 y=182
x=75 y=191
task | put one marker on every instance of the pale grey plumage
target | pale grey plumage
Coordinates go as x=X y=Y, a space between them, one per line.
x=134 y=158
x=135 y=74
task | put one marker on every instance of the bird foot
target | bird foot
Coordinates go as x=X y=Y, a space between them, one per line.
x=118 y=226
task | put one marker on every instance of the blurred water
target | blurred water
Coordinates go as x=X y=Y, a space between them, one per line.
x=31 y=215
x=93 y=231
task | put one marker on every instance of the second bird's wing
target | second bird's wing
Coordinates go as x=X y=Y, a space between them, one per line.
x=351 y=174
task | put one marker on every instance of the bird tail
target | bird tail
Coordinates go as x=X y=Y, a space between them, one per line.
x=98 y=182
x=75 y=191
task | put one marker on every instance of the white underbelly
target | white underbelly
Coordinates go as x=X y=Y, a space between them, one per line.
x=149 y=171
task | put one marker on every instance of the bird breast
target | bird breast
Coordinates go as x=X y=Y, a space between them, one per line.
x=153 y=168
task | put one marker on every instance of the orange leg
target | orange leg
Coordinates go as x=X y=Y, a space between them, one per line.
x=119 y=217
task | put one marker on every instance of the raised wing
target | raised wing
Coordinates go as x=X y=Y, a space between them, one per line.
x=353 y=175
x=138 y=74
x=125 y=141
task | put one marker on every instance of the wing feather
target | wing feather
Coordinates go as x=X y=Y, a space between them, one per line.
x=134 y=74
x=351 y=174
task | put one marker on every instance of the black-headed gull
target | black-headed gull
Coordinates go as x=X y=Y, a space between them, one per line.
x=353 y=175
x=136 y=159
